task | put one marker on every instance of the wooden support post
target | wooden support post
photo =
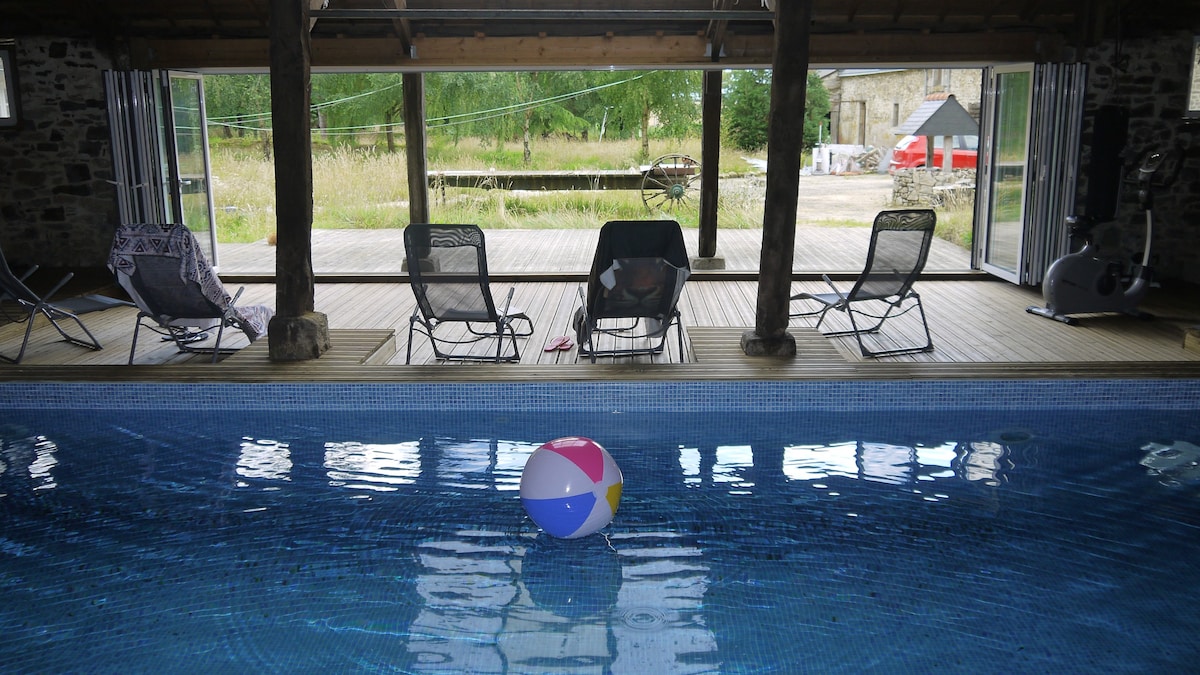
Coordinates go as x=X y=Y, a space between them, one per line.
x=785 y=137
x=413 y=85
x=710 y=160
x=296 y=332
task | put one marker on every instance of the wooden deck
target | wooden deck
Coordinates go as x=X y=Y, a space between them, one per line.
x=368 y=253
x=980 y=330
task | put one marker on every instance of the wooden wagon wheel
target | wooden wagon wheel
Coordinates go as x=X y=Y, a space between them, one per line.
x=671 y=183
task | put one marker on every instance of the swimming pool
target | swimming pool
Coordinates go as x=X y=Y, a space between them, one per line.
x=350 y=529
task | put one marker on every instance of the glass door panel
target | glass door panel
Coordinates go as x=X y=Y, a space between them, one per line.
x=192 y=195
x=1009 y=175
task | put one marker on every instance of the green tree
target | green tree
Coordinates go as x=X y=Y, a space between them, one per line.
x=816 y=111
x=238 y=103
x=669 y=97
x=747 y=105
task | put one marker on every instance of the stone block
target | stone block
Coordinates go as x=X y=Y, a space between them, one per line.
x=715 y=262
x=754 y=344
x=298 y=338
x=1191 y=339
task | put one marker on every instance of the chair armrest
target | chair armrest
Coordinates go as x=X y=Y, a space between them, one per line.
x=841 y=295
x=229 y=311
x=582 y=301
x=62 y=282
x=507 y=303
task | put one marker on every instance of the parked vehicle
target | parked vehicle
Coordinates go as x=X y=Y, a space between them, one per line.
x=910 y=152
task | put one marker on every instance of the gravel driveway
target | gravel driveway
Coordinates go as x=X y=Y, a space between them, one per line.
x=855 y=198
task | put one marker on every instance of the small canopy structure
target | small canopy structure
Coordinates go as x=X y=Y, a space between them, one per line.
x=940 y=115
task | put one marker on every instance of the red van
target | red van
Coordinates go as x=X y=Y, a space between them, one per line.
x=909 y=153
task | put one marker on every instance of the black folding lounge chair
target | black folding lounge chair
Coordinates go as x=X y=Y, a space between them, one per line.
x=31 y=305
x=178 y=293
x=899 y=246
x=638 y=273
x=447 y=267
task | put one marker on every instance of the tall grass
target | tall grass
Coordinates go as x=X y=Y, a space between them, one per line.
x=367 y=188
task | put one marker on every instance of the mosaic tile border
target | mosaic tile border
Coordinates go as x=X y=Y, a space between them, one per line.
x=826 y=396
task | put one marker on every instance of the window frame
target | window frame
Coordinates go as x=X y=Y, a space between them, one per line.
x=11 y=91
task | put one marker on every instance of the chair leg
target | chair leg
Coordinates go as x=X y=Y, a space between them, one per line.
x=867 y=353
x=412 y=322
x=217 y=347
x=133 y=347
x=25 y=342
x=679 y=334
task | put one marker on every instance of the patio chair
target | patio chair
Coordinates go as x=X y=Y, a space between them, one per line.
x=638 y=273
x=447 y=268
x=31 y=305
x=176 y=290
x=900 y=242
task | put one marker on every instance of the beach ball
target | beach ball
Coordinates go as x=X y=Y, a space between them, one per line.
x=571 y=487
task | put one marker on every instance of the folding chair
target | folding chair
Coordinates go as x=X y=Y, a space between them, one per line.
x=178 y=293
x=637 y=273
x=13 y=288
x=900 y=243
x=447 y=268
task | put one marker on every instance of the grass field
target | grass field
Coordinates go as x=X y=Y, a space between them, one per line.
x=366 y=188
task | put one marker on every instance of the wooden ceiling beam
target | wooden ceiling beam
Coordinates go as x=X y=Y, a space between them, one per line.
x=641 y=16
x=546 y=53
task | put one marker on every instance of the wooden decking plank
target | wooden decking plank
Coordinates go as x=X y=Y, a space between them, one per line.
x=980 y=329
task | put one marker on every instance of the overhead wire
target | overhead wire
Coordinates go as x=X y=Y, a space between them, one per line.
x=242 y=121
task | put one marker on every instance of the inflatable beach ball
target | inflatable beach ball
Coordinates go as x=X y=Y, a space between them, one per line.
x=571 y=487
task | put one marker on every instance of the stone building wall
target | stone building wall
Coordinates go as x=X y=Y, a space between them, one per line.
x=888 y=97
x=1138 y=80
x=57 y=208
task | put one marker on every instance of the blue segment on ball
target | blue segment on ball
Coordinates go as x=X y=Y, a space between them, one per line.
x=560 y=517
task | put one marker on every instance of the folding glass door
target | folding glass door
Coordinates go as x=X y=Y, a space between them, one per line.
x=1029 y=149
x=160 y=151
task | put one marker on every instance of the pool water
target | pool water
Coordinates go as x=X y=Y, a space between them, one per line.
x=378 y=541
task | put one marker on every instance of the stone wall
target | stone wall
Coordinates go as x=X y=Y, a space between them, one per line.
x=56 y=207
x=921 y=188
x=1149 y=79
x=888 y=97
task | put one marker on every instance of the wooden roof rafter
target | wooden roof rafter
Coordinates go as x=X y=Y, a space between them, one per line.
x=717 y=29
x=403 y=28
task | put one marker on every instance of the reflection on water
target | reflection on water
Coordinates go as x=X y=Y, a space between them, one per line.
x=632 y=604
x=372 y=466
x=265 y=459
x=738 y=546
x=28 y=460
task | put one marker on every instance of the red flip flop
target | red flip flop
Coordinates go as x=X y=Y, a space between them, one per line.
x=559 y=342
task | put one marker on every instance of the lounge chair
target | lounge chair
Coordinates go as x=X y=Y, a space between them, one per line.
x=447 y=268
x=899 y=246
x=638 y=273
x=176 y=290
x=31 y=305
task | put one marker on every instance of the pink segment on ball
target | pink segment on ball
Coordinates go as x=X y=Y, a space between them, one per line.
x=584 y=453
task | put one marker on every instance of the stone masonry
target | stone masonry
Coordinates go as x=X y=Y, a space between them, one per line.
x=57 y=208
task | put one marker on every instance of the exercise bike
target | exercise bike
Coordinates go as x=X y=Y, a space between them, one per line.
x=1084 y=282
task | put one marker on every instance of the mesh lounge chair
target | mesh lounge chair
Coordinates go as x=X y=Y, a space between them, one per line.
x=13 y=288
x=447 y=267
x=638 y=273
x=177 y=292
x=899 y=246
